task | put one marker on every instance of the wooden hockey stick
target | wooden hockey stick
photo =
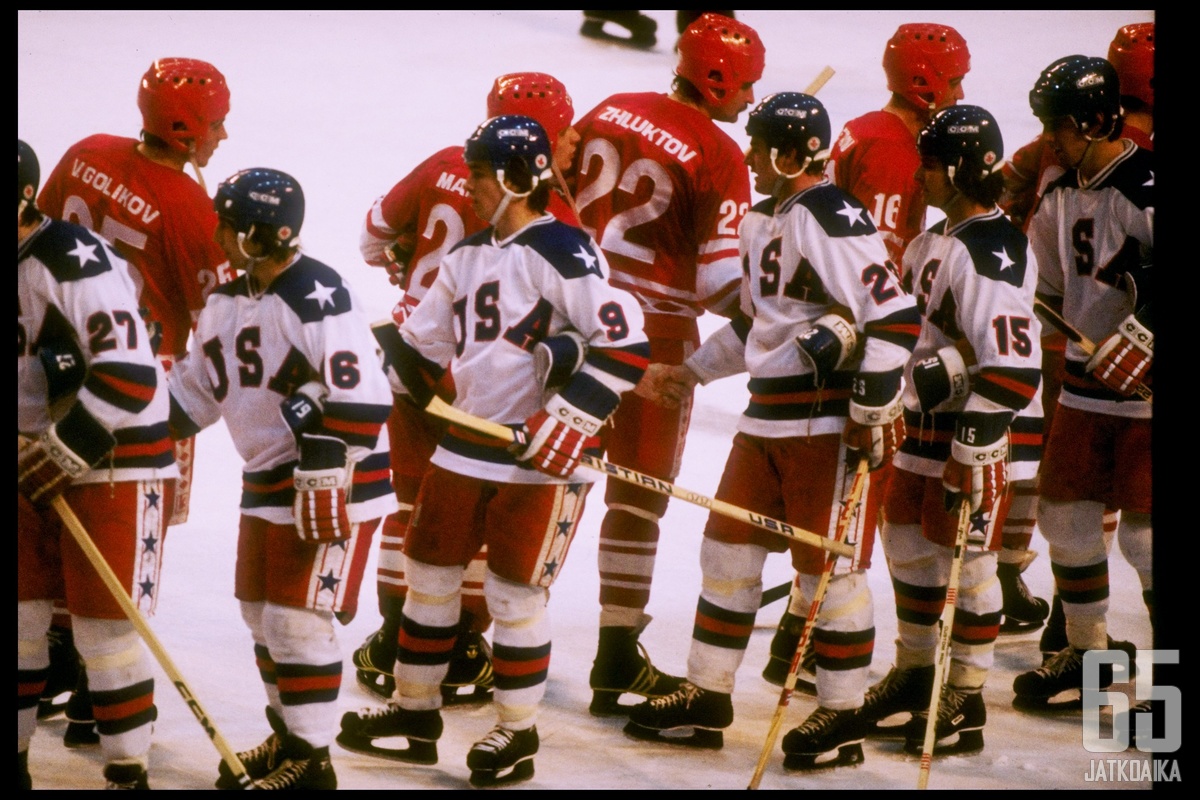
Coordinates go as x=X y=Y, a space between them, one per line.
x=775 y=593
x=441 y=408
x=80 y=534
x=942 y=657
x=1088 y=346
x=849 y=510
x=822 y=78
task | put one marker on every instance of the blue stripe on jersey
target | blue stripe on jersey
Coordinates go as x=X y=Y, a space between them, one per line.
x=1008 y=386
x=590 y=395
x=273 y=487
x=356 y=424
x=146 y=447
x=797 y=397
x=625 y=363
x=372 y=478
x=478 y=451
x=129 y=387
x=901 y=327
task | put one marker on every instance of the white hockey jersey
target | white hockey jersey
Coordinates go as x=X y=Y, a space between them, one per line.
x=975 y=282
x=77 y=306
x=1087 y=238
x=492 y=302
x=253 y=348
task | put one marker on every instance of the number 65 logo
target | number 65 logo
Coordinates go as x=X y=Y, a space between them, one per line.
x=1094 y=699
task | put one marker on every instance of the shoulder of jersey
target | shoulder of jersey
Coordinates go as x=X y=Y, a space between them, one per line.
x=566 y=248
x=998 y=249
x=1134 y=177
x=765 y=207
x=312 y=290
x=71 y=252
x=838 y=213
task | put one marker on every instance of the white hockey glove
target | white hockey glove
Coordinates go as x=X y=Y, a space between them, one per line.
x=557 y=358
x=70 y=447
x=941 y=381
x=827 y=346
x=977 y=467
x=874 y=428
x=321 y=479
x=303 y=410
x=556 y=437
x=1122 y=361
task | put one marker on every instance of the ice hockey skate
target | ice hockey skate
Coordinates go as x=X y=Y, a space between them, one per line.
x=81 y=720
x=471 y=677
x=690 y=716
x=827 y=739
x=900 y=691
x=1023 y=612
x=1058 y=684
x=303 y=767
x=961 y=716
x=65 y=666
x=503 y=756
x=640 y=28
x=623 y=665
x=422 y=729
x=126 y=776
x=783 y=649
x=262 y=760
x=373 y=662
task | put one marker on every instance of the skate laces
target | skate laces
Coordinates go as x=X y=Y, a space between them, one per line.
x=264 y=753
x=891 y=685
x=496 y=740
x=286 y=776
x=362 y=657
x=1062 y=662
x=683 y=697
x=648 y=676
x=818 y=721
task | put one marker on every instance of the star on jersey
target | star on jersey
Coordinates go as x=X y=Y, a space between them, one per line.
x=589 y=260
x=84 y=252
x=329 y=582
x=152 y=498
x=1151 y=181
x=147 y=587
x=853 y=215
x=321 y=293
x=549 y=567
x=1002 y=257
x=564 y=528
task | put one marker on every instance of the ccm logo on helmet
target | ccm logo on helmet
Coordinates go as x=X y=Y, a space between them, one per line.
x=963 y=129
x=269 y=199
x=801 y=113
x=509 y=132
x=1094 y=79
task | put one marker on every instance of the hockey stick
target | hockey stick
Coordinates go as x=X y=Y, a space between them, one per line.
x=942 y=657
x=775 y=593
x=822 y=78
x=441 y=408
x=1088 y=346
x=80 y=534
x=849 y=510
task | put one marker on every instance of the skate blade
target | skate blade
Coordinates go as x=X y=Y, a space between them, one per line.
x=51 y=706
x=607 y=703
x=805 y=684
x=417 y=752
x=968 y=743
x=454 y=696
x=846 y=755
x=1067 y=701
x=891 y=731
x=376 y=684
x=699 y=738
x=1019 y=627
x=486 y=778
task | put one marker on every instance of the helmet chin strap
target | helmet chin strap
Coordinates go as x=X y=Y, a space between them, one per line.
x=509 y=196
x=196 y=166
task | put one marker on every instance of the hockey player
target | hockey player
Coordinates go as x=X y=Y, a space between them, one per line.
x=662 y=190
x=496 y=296
x=407 y=232
x=814 y=262
x=136 y=195
x=91 y=429
x=873 y=160
x=286 y=357
x=1093 y=236
x=973 y=422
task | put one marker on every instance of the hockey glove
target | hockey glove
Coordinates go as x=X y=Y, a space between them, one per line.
x=398 y=254
x=556 y=437
x=941 y=381
x=70 y=448
x=322 y=479
x=827 y=345
x=876 y=425
x=557 y=358
x=1122 y=361
x=303 y=410
x=977 y=467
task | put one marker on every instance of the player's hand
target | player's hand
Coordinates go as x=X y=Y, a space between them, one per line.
x=70 y=448
x=875 y=431
x=827 y=345
x=941 y=381
x=397 y=256
x=556 y=437
x=1122 y=361
x=977 y=467
x=666 y=385
x=321 y=480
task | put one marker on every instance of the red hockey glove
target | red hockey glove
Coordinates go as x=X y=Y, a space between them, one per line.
x=398 y=254
x=321 y=481
x=1122 y=361
x=977 y=467
x=876 y=431
x=556 y=437
x=70 y=448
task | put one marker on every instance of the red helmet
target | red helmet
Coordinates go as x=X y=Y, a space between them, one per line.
x=1132 y=53
x=921 y=60
x=180 y=98
x=533 y=94
x=717 y=54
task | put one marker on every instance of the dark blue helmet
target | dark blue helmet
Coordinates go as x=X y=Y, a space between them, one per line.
x=792 y=120
x=1084 y=88
x=508 y=139
x=29 y=175
x=257 y=198
x=964 y=138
